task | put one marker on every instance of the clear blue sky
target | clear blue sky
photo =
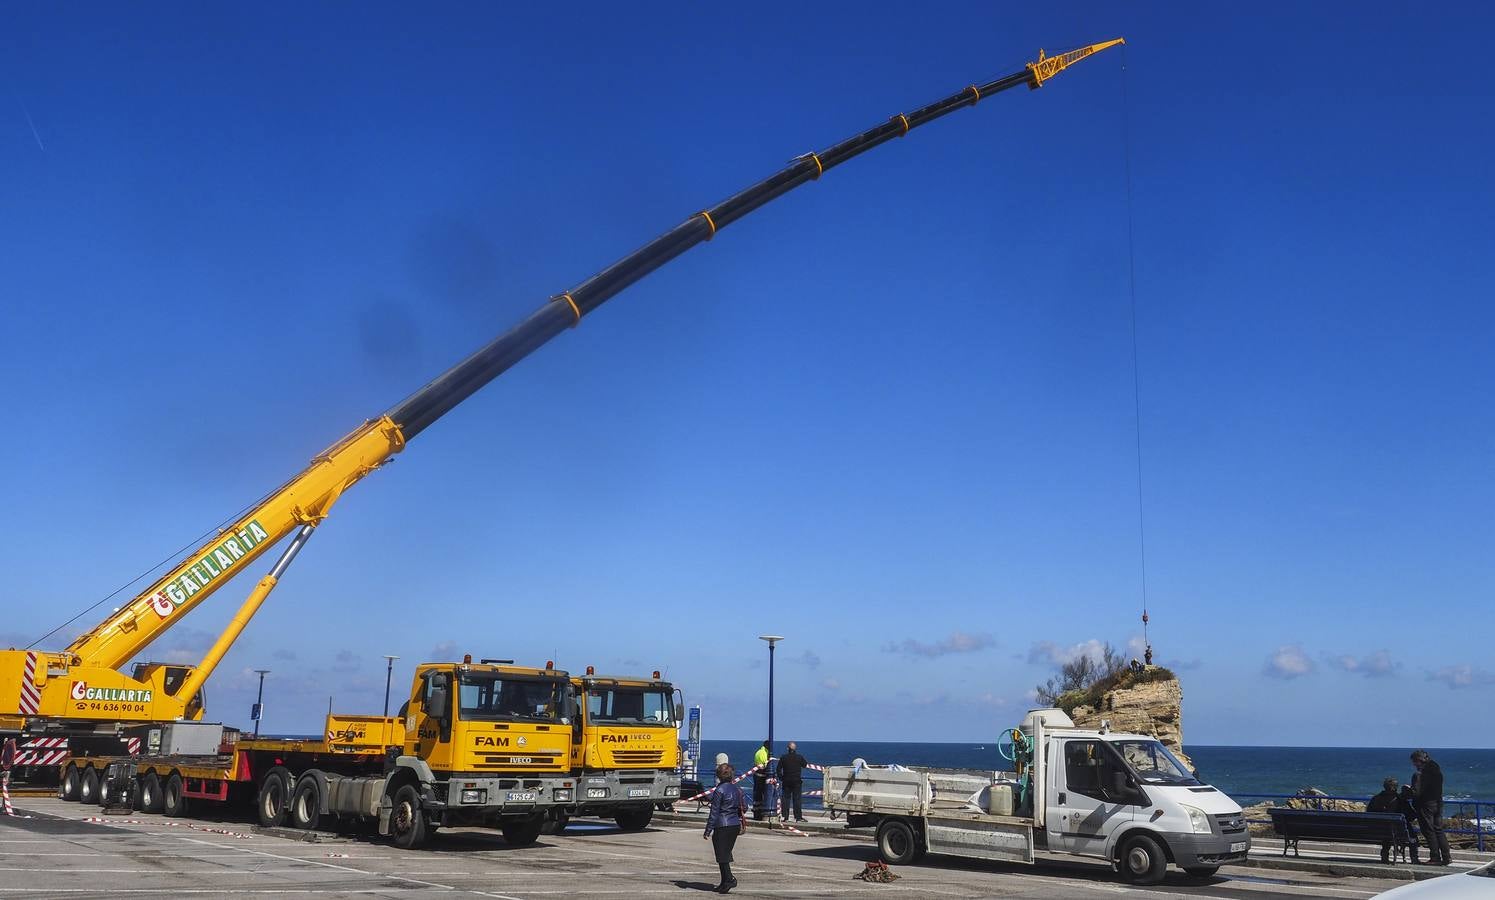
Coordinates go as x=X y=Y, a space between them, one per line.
x=889 y=416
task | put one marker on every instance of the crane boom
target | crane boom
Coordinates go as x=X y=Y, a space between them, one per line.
x=304 y=501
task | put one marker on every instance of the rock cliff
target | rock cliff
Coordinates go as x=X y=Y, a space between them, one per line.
x=1152 y=707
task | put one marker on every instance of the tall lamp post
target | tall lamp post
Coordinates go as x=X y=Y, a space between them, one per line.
x=389 y=671
x=259 y=701
x=772 y=639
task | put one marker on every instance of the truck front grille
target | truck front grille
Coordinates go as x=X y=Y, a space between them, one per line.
x=638 y=757
x=1231 y=823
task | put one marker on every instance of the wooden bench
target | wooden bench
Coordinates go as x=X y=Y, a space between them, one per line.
x=1294 y=825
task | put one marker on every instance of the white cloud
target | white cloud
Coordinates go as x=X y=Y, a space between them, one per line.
x=1289 y=661
x=957 y=642
x=1376 y=665
x=1056 y=656
x=446 y=651
x=1462 y=675
x=809 y=659
x=831 y=684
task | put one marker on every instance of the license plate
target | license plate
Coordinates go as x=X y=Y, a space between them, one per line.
x=522 y=796
x=638 y=792
x=1238 y=847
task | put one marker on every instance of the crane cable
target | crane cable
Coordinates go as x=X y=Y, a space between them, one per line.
x=1131 y=261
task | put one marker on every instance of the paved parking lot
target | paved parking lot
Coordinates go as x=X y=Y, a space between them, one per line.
x=57 y=854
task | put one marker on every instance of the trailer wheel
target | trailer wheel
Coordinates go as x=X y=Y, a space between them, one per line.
x=88 y=787
x=634 y=819
x=105 y=794
x=172 y=801
x=1143 y=860
x=523 y=832
x=71 y=780
x=274 y=799
x=407 y=824
x=150 y=793
x=306 y=803
x=896 y=842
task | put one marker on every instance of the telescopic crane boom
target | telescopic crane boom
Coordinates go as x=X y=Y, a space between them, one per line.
x=82 y=684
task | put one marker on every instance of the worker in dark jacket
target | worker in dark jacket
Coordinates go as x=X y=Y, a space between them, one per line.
x=1407 y=806
x=1385 y=802
x=1430 y=807
x=792 y=781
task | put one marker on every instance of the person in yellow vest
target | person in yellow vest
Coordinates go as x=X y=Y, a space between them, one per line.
x=760 y=780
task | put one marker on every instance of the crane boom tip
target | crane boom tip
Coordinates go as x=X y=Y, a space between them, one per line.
x=1046 y=67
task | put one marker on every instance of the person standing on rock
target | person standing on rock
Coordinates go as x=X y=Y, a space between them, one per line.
x=1430 y=807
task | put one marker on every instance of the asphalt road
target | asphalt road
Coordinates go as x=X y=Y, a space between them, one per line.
x=55 y=854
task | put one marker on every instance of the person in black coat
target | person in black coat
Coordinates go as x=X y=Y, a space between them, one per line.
x=1386 y=802
x=1407 y=806
x=792 y=780
x=1429 y=800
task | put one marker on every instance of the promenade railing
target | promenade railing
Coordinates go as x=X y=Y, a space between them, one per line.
x=1455 y=812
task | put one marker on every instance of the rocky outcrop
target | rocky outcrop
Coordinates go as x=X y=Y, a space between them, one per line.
x=1151 y=707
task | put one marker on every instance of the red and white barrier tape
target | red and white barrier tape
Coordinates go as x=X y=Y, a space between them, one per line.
x=5 y=792
x=710 y=791
x=195 y=827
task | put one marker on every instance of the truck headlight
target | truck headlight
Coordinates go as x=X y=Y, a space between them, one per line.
x=597 y=793
x=477 y=796
x=672 y=790
x=563 y=794
x=1198 y=821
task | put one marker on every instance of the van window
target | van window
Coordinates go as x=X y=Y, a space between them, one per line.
x=1088 y=766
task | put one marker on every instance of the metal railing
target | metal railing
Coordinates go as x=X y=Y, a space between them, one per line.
x=1483 y=828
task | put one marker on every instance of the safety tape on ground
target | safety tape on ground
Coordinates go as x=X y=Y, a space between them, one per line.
x=192 y=825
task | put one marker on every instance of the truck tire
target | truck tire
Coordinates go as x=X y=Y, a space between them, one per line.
x=173 y=803
x=1143 y=860
x=522 y=833
x=1201 y=871
x=151 y=800
x=555 y=823
x=407 y=822
x=306 y=803
x=88 y=787
x=71 y=783
x=896 y=842
x=634 y=819
x=274 y=799
x=106 y=795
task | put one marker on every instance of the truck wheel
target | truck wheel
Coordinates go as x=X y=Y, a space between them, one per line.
x=71 y=782
x=522 y=833
x=274 y=798
x=635 y=819
x=150 y=793
x=407 y=824
x=896 y=842
x=1202 y=871
x=172 y=801
x=555 y=823
x=88 y=788
x=1143 y=860
x=106 y=796
x=306 y=803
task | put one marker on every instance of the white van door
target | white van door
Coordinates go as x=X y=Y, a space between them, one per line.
x=1080 y=817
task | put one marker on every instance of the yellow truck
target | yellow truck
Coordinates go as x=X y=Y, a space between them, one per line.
x=477 y=744
x=625 y=748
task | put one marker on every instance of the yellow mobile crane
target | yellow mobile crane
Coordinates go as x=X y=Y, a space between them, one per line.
x=81 y=687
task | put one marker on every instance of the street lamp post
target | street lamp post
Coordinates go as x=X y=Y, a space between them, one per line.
x=772 y=639
x=389 y=671
x=259 y=701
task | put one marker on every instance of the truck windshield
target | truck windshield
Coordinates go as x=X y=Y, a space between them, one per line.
x=629 y=705
x=487 y=698
x=1153 y=763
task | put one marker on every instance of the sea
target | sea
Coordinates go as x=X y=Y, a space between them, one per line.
x=1242 y=772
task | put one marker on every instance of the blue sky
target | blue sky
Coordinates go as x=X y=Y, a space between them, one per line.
x=889 y=416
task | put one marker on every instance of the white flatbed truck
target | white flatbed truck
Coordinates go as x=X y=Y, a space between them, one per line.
x=1119 y=798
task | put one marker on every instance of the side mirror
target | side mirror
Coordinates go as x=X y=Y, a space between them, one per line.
x=568 y=707
x=438 y=703
x=679 y=713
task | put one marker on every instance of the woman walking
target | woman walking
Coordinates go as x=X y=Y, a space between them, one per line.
x=728 y=819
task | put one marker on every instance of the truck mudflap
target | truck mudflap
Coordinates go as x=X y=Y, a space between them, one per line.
x=980 y=838
x=602 y=792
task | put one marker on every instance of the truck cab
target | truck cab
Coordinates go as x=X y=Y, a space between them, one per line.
x=625 y=747
x=1125 y=798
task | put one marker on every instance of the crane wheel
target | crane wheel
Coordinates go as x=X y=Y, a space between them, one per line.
x=274 y=800
x=306 y=803
x=173 y=803
x=88 y=787
x=68 y=788
x=151 y=800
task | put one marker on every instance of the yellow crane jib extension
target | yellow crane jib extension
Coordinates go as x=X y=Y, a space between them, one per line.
x=84 y=684
x=1046 y=67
